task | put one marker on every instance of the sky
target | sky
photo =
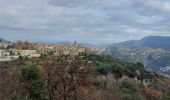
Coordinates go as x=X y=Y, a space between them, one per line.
x=87 y=21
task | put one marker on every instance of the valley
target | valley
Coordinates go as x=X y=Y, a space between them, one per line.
x=147 y=51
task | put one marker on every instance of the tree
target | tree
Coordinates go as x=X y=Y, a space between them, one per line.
x=32 y=82
x=23 y=45
x=8 y=80
x=71 y=77
x=118 y=71
x=65 y=76
x=50 y=76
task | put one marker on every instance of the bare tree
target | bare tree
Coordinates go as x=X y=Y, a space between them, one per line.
x=65 y=76
x=50 y=78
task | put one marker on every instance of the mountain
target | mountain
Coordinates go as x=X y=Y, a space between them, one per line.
x=152 y=51
x=162 y=42
x=4 y=41
x=154 y=59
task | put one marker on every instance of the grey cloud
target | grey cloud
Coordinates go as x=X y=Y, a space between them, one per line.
x=109 y=20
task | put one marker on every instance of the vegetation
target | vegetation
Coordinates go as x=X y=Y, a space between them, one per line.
x=23 y=45
x=87 y=76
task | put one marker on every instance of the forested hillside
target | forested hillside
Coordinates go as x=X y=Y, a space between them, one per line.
x=87 y=76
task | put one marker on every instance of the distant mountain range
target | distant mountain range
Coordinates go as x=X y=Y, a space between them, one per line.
x=152 y=51
x=4 y=41
x=162 y=42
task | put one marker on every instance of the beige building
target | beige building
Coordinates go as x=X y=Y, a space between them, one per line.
x=26 y=53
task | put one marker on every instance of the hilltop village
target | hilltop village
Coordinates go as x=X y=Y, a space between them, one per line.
x=21 y=49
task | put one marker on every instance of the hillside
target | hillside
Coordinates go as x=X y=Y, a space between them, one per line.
x=154 y=59
x=152 y=51
x=4 y=43
x=3 y=40
x=87 y=76
x=162 y=42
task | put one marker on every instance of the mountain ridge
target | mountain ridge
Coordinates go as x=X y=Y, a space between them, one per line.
x=2 y=40
x=162 y=42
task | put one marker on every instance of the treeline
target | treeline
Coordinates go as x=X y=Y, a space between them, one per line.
x=23 y=45
x=87 y=76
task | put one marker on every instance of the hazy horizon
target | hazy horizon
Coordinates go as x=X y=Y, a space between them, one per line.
x=78 y=41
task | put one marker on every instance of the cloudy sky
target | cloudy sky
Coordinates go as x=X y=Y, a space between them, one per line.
x=90 y=21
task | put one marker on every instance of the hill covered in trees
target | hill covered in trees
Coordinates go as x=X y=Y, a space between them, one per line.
x=86 y=76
